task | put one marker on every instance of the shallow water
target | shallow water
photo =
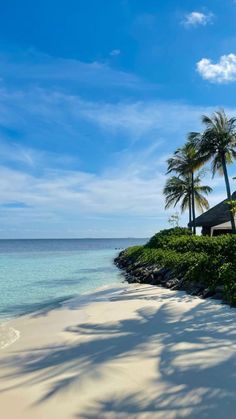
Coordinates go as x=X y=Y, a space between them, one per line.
x=35 y=274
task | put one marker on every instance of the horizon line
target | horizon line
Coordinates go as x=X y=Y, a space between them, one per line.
x=74 y=238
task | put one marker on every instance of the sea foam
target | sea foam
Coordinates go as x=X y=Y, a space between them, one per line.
x=8 y=335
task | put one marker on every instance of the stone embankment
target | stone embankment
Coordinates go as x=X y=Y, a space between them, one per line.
x=136 y=272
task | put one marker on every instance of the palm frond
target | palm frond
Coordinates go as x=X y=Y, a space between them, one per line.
x=218 y=140
x=178 y=190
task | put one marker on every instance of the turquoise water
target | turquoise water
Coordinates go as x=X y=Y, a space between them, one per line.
x=36 y=274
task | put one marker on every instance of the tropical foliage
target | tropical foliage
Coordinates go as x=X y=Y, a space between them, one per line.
x=232 y=205
x=209 y=261
x=179 y=189
x=217 y=143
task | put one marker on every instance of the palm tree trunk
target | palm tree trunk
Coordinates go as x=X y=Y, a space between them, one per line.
x=193 y=203
x=190 y=211
x=227 y=184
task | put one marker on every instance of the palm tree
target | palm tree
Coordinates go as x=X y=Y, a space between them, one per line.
x=178 y=189
x=185 y=162
x=218 y=143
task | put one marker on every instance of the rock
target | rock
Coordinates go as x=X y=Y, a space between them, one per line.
x=168 y=275
x=219 y=288
x=217 y=296
x=174 y=283
x=206 y=293
x=145 y=273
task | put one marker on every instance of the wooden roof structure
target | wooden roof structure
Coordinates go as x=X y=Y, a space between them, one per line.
x=214 y=216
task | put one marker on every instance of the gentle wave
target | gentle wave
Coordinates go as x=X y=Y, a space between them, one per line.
x=35 y=275
x=8 y=335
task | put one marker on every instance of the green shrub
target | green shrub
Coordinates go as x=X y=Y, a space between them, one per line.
x=190 y=265
x=222 y=246
x=227 y=278
x=165 y=235
x=208 y=260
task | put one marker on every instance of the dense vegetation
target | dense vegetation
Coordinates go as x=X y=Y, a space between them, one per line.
x=209 y=261
x=215 y=144
x=177 y=258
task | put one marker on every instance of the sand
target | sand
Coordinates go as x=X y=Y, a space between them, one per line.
x=131 y=351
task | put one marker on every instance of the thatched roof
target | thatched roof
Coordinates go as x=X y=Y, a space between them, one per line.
x=216 y=215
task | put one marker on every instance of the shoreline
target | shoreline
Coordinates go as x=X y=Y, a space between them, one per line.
x=10 y=322
x=128 y=350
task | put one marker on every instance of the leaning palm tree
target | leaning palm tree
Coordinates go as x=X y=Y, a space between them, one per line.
x=218 y=144
x=185 y=162
x=178 y=190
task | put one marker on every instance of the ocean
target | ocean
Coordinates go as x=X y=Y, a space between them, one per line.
x=36 y=274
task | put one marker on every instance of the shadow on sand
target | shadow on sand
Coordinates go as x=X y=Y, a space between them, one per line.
x=197 y=360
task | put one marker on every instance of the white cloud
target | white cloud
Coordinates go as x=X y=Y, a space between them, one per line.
x=32 y=66
x=55 y=200
x=55 y=119
x=130 y=193
x=221 y=72
x=47 y=118
x=30 y=158
x=47 y=114
x=195 y=18
x=140 y=119
x=115 y=52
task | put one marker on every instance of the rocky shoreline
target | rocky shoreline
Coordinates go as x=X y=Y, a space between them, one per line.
x=136 y=272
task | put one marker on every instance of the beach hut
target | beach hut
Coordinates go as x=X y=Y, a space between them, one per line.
x=216 y=220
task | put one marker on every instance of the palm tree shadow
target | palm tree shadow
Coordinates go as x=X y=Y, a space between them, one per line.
x=197 y=361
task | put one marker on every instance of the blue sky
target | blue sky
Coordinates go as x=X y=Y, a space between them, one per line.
x=94 y=97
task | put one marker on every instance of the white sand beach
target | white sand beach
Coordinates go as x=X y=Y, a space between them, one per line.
x=132 y=351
